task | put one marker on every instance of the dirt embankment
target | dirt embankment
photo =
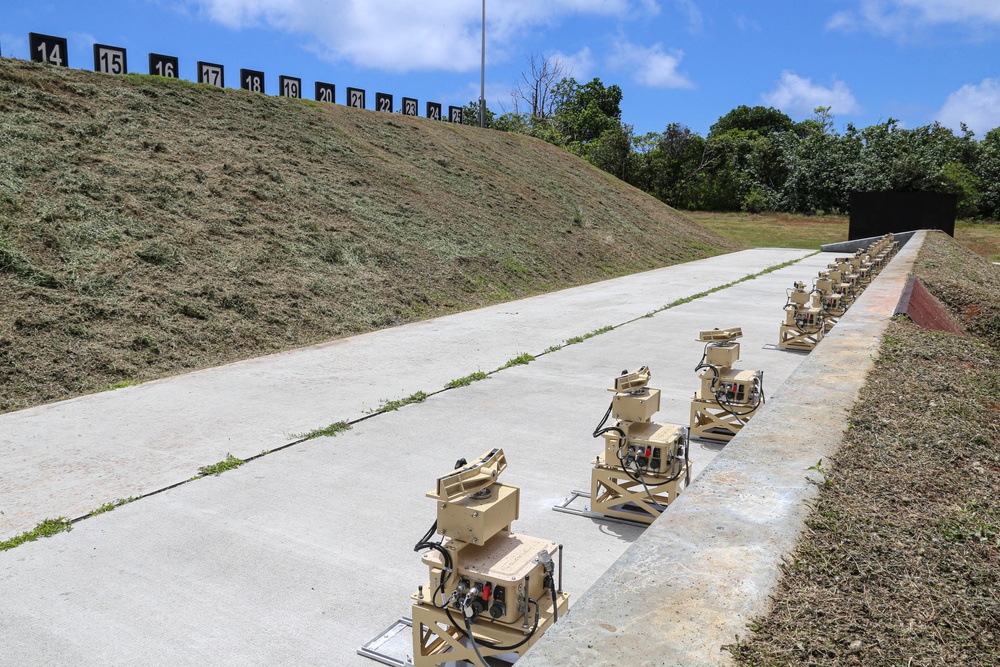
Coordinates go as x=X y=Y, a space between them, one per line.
x=150 y=226
x=901 y=563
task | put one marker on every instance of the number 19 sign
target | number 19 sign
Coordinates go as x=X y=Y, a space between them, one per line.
x=289 y=86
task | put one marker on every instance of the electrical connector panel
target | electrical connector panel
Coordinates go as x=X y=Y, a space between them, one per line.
x=509 y=565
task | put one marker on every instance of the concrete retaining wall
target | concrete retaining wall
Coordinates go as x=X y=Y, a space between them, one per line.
x=691 y=583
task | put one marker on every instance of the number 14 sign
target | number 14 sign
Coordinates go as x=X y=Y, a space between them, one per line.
x=48 y=49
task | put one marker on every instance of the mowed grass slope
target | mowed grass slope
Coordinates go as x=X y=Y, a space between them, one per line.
x=150 y=226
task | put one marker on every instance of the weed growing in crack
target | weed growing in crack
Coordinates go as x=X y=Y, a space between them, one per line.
x=467 y=380
x=229 y=463
x=107 y=507
x=520 y=360
x=391 y=405
x=325 y=432
x=46 y=528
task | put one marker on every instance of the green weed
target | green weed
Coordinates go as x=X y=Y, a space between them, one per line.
x=121 y=385
x=520 y=360
x=46 y=528
x=596 y=332
x=107 y=507
x=230 y=463
x=392 y=405
x=467 y=380
x=325 y=432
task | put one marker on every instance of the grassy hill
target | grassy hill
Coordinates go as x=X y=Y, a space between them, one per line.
x=150 y=226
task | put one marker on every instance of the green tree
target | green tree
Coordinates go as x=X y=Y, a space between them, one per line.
x=584 y=112
x=819 y=163
x=470 y=115
x=762 y=120
x=988 y=171
x=612 y=152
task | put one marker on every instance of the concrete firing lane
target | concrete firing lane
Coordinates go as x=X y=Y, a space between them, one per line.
x=301 y=556
x=68 y=458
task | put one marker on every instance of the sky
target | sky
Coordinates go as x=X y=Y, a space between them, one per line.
x=677 y=61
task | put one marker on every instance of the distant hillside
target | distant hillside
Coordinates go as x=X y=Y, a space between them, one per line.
x=150 y=226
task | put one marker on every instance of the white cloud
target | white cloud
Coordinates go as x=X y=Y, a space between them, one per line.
x=897 y=18
x=14 y=47
x=403 y=35
x=578 y=65
x=695 y=19
x=747 y=24
x=650 y=65
x=978 y=106
x=796 y=94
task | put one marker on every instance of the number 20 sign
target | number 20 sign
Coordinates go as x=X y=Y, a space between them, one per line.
x=110 y=59
x=326 y=92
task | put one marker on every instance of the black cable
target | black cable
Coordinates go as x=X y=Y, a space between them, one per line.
x=497 y=647
x=597 y=431
x=555 y=605
x=475 y=644
x=446 y=561
x=759 y=381
x=650 y=495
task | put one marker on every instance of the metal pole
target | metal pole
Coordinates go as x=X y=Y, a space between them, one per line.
x=482 y=81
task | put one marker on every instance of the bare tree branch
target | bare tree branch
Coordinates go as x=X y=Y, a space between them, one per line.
x=534 y=90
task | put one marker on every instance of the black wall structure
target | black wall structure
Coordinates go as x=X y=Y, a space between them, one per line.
x=879 y=213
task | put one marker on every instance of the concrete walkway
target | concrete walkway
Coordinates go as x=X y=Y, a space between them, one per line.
x=301 y=556
x=69 y=458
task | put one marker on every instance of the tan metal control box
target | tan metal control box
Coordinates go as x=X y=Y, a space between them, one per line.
x=722 y=354
x=475 y=520
x=503 y=564
x=638 y=407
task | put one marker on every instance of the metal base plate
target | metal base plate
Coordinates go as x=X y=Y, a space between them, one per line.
x=576 y=497
x=393 y=646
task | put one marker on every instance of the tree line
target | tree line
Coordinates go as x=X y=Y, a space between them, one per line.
x=755 y=158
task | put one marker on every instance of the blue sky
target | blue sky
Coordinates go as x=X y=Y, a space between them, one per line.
x=685 y=61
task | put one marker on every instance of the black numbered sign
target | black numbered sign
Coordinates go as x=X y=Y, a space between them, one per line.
x=164 y=66
x=434 y=111
x=110 y=59
x=211 y=73
x=383 y=102
x=48 y=49
x=289 y=86
x=252 y=80
x=455 y=115
x=356 y=98
x=409 y=106
x=326 y=92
